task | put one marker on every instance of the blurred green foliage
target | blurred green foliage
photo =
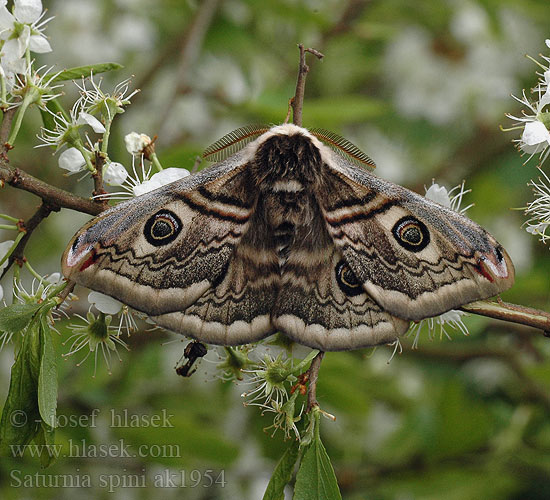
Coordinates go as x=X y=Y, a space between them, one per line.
x=461 y=419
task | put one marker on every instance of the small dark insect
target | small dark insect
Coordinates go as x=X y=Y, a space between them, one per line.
x=192 y=352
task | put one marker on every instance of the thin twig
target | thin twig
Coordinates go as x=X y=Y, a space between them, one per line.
x=297 y=102
x=51 y=195
x=196 y=165
x=190 y=50
x=99 y=192
x=313 y=375
x=511 y=312
x=29 y=226
x=351 y=14
x=66 y=292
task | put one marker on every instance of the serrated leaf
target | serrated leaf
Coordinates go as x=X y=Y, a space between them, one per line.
x=47 y=377
x=282 y=473
x=85 y=71
x=316 y=478
x=16 y=317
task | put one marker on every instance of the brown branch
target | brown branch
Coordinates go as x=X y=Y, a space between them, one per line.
x=54 y=197
x=297 y=102
x=5 y=128
x=313 y=375
x=29 y=226
x=99 y=192
x=511 y=312
x=350 y=14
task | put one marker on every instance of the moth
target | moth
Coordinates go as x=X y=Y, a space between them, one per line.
x=288 y=233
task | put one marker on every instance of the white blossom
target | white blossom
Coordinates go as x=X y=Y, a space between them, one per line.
x=104 y=303
x=451 y=199
x=94 y=100
x=91 y=102
x=115 y=174
x=11 y=67
x=72 y=160
x=54 y=278
x=539 y=209
x=4 y=249
x=92 y=121
x=439 y=194
x=535 y=137
x=452 y=318
x=535 y=120
x=166 y=176
x=136 y=143
x=17 y=39
x=94 y=335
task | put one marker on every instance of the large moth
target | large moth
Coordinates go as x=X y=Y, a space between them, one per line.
x=289 y=235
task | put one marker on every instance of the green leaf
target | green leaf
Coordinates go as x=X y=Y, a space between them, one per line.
x=316 y=478
x=84 y=71
x=16 y=317
x=47 y=377
x=45 y=439
x=21 y=416
x=30 y=409
x=282 y=473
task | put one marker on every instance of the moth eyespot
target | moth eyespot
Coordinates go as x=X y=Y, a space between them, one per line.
x=162 y=228
x=347 y=281
x=498 y=253
x=411 y=234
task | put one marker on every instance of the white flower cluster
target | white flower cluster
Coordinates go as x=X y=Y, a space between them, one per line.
x=72 y=135
x=20 y=34
x=534 y=124
x=468 y=70
x=143 y=180
x=535 y=138
x=95 y=109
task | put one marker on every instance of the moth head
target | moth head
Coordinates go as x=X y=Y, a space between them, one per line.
x=240 y=138
x=80 y=254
